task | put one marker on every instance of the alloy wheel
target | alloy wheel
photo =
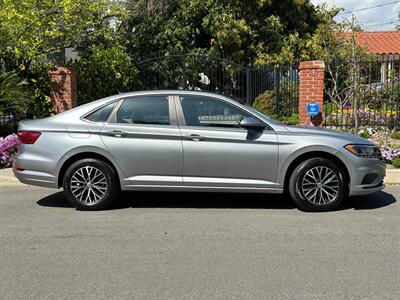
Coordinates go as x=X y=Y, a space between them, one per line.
x=320 y=185
x=88 y=185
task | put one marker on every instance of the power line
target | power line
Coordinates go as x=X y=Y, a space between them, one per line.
x=369 y=7
x=386 y=23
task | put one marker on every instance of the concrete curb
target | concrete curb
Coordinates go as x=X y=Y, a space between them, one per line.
x=392 y=176
x=7 y=178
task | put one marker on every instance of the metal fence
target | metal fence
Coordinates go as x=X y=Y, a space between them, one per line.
x=361 y=95
x=220 y=75
x=282 y=82
x=9 y=122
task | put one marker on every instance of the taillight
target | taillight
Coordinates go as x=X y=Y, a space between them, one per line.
x=28 y=137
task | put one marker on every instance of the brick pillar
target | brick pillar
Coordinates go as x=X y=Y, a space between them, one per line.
x=311 y=89
x=63 y=91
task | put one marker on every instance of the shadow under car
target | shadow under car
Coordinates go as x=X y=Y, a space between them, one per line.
x=220 y=200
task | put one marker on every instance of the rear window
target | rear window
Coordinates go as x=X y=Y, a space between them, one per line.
x=102 y=114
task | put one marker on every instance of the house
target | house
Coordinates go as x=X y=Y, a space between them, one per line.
x=384 y=44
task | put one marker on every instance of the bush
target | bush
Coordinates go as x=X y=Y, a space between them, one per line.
x=39 y=90
x=26 y=92
x=396 y=162
x=396 y=135
x=13 y=92
x=103 y=72
x=265 y=103
x=8 y=146
x=292 y=120
x=365 y=134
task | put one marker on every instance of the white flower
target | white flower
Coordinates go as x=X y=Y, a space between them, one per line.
x=204 y=79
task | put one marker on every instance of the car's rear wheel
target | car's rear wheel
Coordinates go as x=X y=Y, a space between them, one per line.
x=318 y=184
x=90 y=184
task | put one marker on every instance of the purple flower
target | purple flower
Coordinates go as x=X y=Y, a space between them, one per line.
x=389 y=154
x=346 y=106
x=8 y=146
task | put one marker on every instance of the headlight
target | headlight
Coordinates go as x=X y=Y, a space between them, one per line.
x=364 y=150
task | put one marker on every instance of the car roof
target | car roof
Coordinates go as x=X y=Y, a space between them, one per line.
x=169 y=92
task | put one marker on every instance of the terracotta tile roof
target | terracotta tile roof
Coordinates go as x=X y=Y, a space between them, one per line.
x=378 y=42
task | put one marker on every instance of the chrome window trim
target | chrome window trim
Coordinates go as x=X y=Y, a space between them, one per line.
x=175 y=110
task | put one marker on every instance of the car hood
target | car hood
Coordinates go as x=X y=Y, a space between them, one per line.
x=315 y=131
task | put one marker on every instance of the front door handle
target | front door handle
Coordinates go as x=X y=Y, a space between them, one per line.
x=195 y=137
x=117 y=133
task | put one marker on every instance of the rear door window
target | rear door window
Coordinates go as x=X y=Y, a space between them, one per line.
x=144 y=110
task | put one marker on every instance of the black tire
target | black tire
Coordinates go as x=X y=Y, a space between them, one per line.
x=302 y=192
x=106 y=191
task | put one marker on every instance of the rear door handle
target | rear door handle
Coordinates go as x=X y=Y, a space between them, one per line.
x=117 y=133
x=194 y=137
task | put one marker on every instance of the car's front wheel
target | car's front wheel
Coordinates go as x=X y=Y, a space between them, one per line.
x=318 y=184
x=90 y=184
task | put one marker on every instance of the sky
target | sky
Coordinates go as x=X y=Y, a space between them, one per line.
x=373 y=19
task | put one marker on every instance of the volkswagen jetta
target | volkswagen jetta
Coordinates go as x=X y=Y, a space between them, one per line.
x=191 y=141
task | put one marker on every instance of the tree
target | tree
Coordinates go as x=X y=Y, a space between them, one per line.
x=345 y=87
x=254 y=31
x=32 y=29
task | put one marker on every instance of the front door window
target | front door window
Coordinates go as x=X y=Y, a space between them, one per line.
x=203 y=111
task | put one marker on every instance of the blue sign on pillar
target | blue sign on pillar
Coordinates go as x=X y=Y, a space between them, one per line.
x=313 y=109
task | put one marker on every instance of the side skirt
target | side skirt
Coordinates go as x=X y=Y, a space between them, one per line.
x=212 y=189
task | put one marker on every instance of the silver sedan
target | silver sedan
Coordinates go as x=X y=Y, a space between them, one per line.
x=191 y=141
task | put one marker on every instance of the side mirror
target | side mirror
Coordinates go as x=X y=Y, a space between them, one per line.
x=251 y=124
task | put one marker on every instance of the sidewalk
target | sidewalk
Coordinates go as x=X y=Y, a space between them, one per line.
x=7 y=178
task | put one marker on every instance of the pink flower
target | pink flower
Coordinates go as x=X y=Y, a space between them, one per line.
x=8 y=146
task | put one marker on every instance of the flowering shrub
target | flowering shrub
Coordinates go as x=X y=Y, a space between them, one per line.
x=366 y=116
x=389 y=155
x=8 y=146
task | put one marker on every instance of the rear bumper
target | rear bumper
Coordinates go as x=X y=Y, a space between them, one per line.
x=36 y=178
x=35 y=166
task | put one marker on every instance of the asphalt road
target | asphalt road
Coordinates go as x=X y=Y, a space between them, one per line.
x=198 y=246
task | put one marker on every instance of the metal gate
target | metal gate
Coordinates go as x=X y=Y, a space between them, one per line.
x=363 y=95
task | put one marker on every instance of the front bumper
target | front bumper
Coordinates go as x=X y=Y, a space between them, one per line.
x=366 y=189
x=362 y=168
